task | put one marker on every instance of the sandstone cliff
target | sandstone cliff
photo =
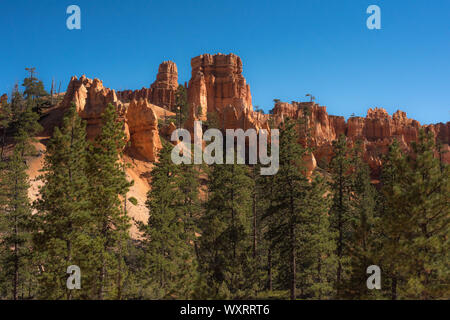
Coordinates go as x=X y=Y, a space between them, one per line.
x=376 y=131
x=139 y=116
x=161 y=92
x=217 y=82
x=218 y=91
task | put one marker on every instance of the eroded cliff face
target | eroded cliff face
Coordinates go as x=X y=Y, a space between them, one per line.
x=161 y=92
x=90 y=99
x=218 y=88
x=3 y=99
x=218 y=92
x=139 y=118
x=217 y=82
x=376 y=131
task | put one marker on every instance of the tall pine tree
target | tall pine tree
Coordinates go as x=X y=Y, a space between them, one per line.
x=107 y=181
x=64 y=224
x=226 y=233
x=16 y=218
x=168 y=238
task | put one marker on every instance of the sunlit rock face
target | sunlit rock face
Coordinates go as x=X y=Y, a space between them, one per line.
x=161 y=92
x=139 y=119
x=376 y=131
x=217 y=82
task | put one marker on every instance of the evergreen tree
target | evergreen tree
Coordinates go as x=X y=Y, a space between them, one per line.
x=64 y=225
x=413 y=224
x=287 y=211
x=34 y=91
x=182 y=106
x=225 y=241
x=170 y=264
x=188 y=184
x=5 y=122
x=317 y=263
x=361 y=226
x=17 y=105
x=341 y=210
x=34 y=88
x=266 y=190
x=107 y=182
x=16 y=218
x=427 y=201
x=392 y=219
x=16 y=222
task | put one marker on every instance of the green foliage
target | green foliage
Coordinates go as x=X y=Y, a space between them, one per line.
x=181 y=105
x=341 y=213
x=413 y=223
x=5 y=122
x=64 y=224
x=225 y=231
x=34 y=91
x=15 y=209
x=361 y=224
x=298 y=223
x=168 y=238
x=107 y=181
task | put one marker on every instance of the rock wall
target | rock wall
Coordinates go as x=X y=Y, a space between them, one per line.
x=3 y=99
x=161 y=92
x=217 y=82
x=139 y=116
x=376 y=131
x=218 y=90
x=90 y=99
x=143 y=127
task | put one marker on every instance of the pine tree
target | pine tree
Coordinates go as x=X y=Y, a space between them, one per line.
x=265 y=190
x=317 y=263
x=392 y=220
x=34 y=91
x=361 y=226
x=226 y=233
x=170 y=263
x=15 y=205
x=428 y=202
x=288 y=206
x=341 y=211
x=5 y=122
x=16 y=216
x=17 y=105
x=64 y=224
x=182 y=107
x=108 y=182
x=413 y=224
x=259 y=196
x=188 y=185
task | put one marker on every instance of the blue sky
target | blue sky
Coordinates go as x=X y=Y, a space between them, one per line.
x=289 y=48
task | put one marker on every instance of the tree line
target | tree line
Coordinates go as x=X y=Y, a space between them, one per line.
x=219 y=231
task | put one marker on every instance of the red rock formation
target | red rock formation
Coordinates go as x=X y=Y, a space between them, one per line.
x=3 y=99
x=162 y=92
x=376 y=131
x=218 y=87
x=90 y=99
x=143 y=127
x=165 y=86
x=217 y=82
x=128 y=95
x=139 y=117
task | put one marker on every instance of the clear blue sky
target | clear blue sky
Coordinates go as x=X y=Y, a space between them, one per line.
x=289 y=48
